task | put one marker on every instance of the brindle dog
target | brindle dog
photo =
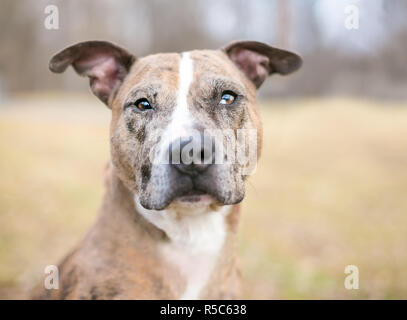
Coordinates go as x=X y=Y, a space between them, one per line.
x=167 y=230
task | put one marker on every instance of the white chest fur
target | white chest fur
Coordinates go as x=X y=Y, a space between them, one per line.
x=195 y=243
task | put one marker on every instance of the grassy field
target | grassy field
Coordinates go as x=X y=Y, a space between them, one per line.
x=330 y=191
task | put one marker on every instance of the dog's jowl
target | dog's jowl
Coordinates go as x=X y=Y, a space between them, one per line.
x=181 y=125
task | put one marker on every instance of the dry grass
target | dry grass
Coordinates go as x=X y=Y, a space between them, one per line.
x=330 y=190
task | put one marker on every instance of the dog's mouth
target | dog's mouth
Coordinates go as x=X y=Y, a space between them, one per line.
x=194 y=196
x=212 y=188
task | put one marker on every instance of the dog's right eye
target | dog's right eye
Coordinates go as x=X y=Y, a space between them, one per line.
x=142 y=104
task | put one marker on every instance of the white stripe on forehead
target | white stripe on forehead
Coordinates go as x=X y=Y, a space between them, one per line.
x=181 y=119
x=186 y=71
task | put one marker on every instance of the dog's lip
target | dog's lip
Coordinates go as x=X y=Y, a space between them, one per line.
x=194 y=195
x=185 y=191
x=193 y=192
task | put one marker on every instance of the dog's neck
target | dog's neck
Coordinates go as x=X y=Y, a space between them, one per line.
x=196 y=240
x=193 y=228
x=192 y=242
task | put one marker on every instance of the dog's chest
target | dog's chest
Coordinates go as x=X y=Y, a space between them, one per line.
x=194 y=251
x=194 y=247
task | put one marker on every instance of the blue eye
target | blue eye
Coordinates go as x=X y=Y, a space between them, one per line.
x=228 y=97
x=143 y=104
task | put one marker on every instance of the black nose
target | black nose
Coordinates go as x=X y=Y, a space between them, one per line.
x=191 y=155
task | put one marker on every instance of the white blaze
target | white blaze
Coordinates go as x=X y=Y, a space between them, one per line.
x=181 y=119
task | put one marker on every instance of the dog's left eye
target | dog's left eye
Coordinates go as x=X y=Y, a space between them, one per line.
x=228 y=97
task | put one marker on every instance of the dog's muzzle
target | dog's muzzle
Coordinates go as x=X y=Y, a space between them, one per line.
x=192 y=170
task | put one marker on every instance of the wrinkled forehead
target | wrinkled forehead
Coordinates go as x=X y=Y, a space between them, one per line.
x=213 y=64
x=154 y=72
x=163 y=72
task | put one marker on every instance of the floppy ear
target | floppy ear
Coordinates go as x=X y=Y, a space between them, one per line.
x=258 y=60
x=104 y=63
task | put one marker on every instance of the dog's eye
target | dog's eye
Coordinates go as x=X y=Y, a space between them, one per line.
x=228 y=97
x=143 y=104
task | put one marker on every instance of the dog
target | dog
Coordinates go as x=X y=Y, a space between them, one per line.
x=167 y=230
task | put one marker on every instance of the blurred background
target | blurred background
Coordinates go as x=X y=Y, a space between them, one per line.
x=329 y=191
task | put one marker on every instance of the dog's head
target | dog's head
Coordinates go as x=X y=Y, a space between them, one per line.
x=185 y=127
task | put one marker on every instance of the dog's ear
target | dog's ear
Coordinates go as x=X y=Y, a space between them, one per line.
x=258 y=60
x=104 y=63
